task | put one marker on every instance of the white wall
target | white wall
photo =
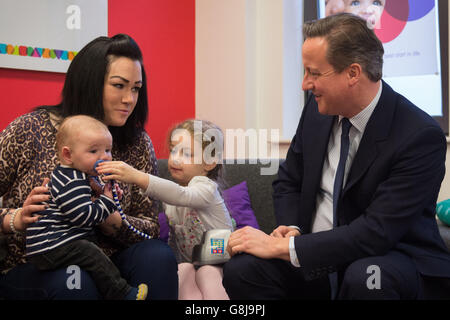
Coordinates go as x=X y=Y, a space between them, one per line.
x=248 y=65
x=220 y=67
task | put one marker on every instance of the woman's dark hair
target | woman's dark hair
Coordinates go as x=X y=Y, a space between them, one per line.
x=83 y=86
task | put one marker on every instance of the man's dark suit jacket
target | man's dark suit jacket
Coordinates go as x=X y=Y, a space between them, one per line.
x=389 y=200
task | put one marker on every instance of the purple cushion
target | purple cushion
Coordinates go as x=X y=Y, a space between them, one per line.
x=163 y=227
x=238 y=204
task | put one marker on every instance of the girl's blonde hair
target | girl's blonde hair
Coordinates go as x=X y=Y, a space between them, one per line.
x=208 y=134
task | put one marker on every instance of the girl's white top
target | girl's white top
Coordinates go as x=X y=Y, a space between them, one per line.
x=190 y=211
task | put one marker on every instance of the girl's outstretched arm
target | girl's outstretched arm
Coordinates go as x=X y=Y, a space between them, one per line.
x=119 y=170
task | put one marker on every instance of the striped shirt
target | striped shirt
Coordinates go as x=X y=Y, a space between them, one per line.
x=71 y=213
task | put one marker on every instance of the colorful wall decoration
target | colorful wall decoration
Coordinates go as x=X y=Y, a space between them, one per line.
x=45 y=35
x=36 y=52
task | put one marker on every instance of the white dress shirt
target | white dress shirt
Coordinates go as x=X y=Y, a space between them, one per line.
x=323 y=217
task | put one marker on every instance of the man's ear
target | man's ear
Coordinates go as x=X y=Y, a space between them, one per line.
x=66 y=155
x=354 y=73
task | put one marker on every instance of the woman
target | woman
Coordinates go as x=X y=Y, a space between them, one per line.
x=105 y=80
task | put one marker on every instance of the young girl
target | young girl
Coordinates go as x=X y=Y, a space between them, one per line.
x=192 y=206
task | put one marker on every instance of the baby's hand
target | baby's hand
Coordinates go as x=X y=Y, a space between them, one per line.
x=118 y=191
x=108 y=191
x=96 y=187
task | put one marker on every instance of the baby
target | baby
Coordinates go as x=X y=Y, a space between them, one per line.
x=370 y=10
x=60 y=237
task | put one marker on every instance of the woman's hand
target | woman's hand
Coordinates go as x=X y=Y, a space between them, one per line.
x=33 y=203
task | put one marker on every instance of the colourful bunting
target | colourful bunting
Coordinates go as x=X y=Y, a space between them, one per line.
x=36 y=52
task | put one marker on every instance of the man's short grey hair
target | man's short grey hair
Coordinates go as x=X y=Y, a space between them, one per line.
x=350 y=41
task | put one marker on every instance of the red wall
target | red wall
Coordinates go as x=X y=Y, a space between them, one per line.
x=165 y=31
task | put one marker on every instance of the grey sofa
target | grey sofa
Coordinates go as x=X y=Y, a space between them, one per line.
x=260 y=192
x=259 y=188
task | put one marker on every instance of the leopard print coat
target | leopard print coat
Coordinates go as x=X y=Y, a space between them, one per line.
x=28 y=155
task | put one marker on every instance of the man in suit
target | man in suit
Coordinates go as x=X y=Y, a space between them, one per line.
x=355 y=199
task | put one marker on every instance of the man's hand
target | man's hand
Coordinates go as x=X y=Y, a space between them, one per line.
x=258 y=243
x=285 y=232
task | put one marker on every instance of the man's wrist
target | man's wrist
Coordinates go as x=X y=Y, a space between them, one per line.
x=282 y=248
x=292 y=253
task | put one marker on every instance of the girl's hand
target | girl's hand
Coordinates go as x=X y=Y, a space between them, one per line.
x=118 y=170
x=33 y=203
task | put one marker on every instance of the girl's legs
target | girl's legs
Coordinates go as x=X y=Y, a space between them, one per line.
x=209 y=280
x=188 y=289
